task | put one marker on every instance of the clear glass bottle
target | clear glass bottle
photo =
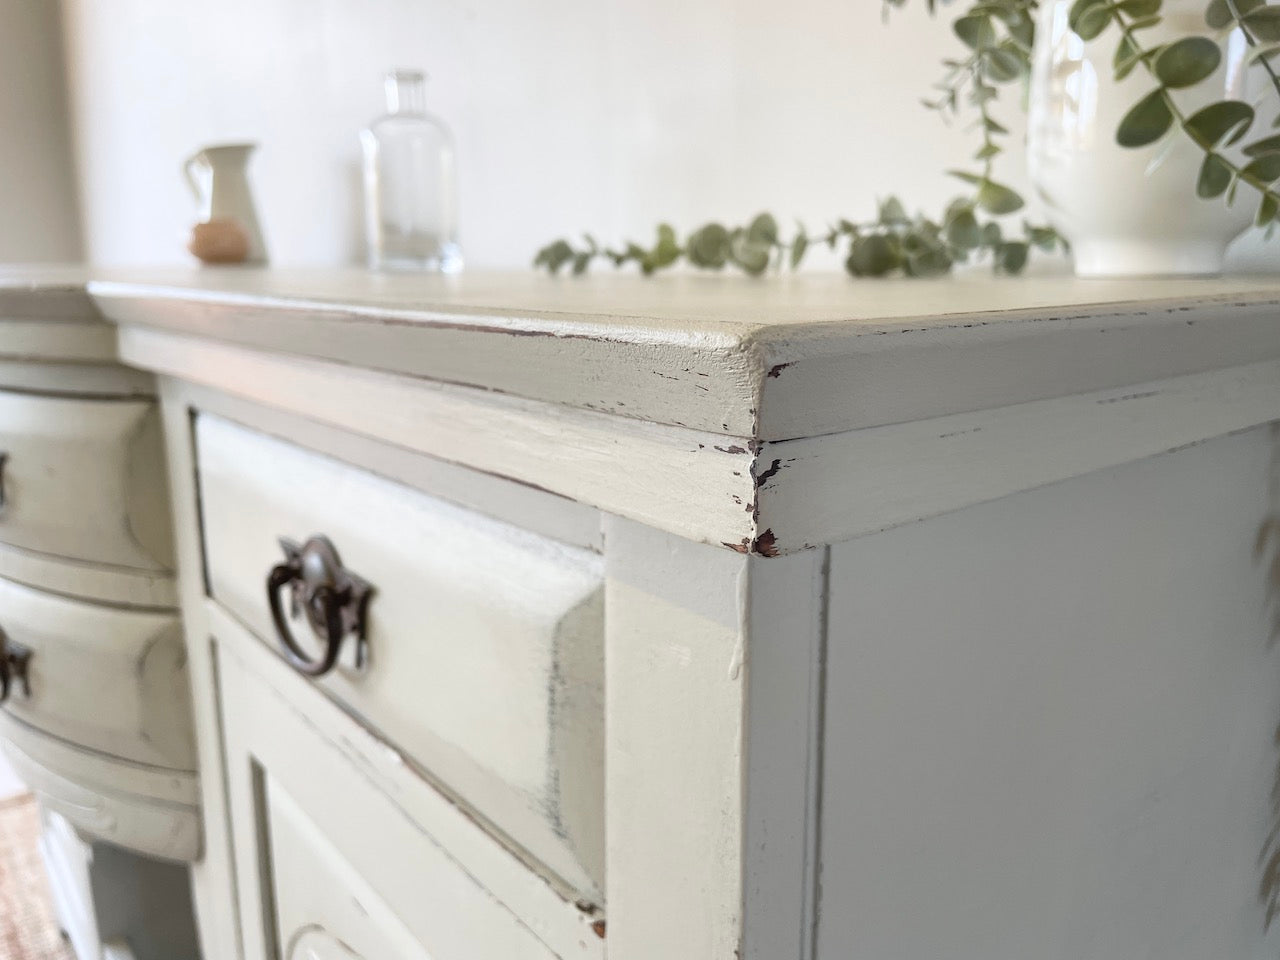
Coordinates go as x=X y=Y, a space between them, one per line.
x=410 y=193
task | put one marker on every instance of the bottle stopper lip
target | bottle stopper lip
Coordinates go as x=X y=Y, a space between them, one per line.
x=404 y=73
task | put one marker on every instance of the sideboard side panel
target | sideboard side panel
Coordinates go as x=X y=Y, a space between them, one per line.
x=1049 y=721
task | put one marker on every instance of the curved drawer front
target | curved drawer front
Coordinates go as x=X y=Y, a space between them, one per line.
x=485 y=643
x=140 y=822
x=85 y=479
x=108 y=679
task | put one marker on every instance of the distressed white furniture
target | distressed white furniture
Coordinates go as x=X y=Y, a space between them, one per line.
x=699 y=617
x=94 y=704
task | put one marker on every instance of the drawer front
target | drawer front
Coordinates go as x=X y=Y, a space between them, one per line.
x=484 y=642
x=105 y=678
x=330 y=866
x=156 y=828
x=85 y=479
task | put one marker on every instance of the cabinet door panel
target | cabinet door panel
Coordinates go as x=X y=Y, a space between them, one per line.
x=332 y=868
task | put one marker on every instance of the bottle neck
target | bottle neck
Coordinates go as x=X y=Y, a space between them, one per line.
x=406 y=92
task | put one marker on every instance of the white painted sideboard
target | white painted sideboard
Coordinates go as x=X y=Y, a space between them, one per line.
x=701 y=618
x=95 y=711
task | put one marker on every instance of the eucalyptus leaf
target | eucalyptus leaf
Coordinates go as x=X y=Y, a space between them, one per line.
x=963 y=231
x=763 y=229
x=1088 y=18
x=1158 y=159
x=1093 y=22
x=999 y=199
x=1012 y=257
x=1263 y=169
x=1043 y=237
x=554 y=256
x=1186 y=62
x=871 y=256
x=1267 y=210
x=1003 y=65
x=750 y=254
x=1146 y=122
x=798 y=248
x=1022 y=30
x=1264 y=146
x=1264 y=23
x=1215 y=177
x=977 y=32
x=708 y=246
x=1264 y=52
x=892 y=211
x=930 y=262
x=1127 y=57
x=1139 y=8
x=666 y=251
x=1218 y=121
x=1218 y=15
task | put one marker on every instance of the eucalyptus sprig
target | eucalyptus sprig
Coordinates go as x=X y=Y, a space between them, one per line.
x=997 y=36
x=893 y=242
x=1185 y=63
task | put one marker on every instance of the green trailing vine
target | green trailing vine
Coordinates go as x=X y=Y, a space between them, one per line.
x=997 y=37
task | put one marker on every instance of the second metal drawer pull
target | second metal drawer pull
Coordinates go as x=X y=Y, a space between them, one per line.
x=334 y=600
x=14 y=661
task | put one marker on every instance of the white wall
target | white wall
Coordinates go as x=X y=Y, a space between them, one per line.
x=38 y=219
x=570 y=114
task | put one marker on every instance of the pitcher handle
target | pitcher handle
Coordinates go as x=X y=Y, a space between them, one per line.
x=188 y=171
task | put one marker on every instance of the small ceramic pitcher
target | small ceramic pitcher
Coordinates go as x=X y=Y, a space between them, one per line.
x=218 y=176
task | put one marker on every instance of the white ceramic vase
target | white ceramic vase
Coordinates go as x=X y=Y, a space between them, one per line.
x=1130 y=212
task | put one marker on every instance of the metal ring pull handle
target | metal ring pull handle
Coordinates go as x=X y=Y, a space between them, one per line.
x=15 y=661
x=333 y=599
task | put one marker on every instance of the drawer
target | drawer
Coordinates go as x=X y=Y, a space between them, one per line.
x=128 y=805
x=341 y=856
x=484 y=645
x=106 y=678
x=84 y=479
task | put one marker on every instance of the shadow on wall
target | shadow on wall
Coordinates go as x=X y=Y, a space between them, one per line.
x=39 y=212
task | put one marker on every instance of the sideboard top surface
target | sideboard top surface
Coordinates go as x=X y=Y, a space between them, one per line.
x=45 y=292
x=768 y=415
x=773 y=358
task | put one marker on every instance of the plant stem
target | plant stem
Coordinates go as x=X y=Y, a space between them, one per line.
x=1180 y=118
x=1253 y=42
